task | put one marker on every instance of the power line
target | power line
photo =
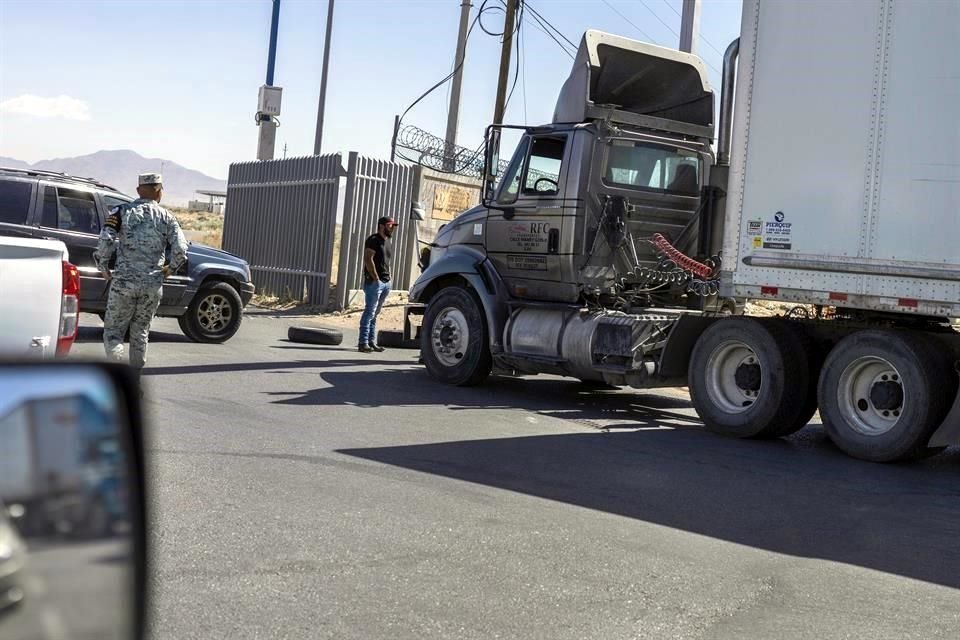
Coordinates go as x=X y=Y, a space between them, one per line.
x=674 y=9
x=631 y=23
x=657 y=16
x=540 y=17
x=516 y=74
x=543 y=30
x=699 y=35
x=483 y=9
x=647 y=35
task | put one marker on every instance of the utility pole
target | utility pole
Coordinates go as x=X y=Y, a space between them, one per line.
x=690 y=26
x=453 y=112
x=268 y=106
x=323 y=80
x=500 y=105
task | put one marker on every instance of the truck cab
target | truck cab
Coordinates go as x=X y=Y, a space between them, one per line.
x=586 y=214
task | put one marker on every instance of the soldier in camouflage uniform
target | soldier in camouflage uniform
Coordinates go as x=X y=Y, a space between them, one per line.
x=138 y=233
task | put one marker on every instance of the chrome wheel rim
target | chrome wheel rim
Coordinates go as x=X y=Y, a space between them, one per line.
x=214 y=313
x=734 y=376
x=450 y=336
x=870 y=396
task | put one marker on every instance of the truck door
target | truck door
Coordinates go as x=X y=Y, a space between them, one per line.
x=70 y=215
x=529 y=229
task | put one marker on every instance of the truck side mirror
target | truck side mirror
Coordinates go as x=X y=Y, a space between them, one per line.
x=491 y=163
x=72 y=503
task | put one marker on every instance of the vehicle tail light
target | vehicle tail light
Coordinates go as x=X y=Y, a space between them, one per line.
x=69 y=309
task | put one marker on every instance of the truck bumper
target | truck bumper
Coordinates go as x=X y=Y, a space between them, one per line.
x=948 y=432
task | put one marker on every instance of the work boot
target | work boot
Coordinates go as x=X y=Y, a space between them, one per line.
x=365 y=348
x=377 y=348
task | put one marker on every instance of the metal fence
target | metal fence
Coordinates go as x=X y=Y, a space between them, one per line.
x=376 y=188
x=281 y=217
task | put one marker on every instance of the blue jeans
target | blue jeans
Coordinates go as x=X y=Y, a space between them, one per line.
x=376 y=294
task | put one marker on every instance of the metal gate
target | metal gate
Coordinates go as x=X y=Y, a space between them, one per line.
x=376 y=188
x=281 y=217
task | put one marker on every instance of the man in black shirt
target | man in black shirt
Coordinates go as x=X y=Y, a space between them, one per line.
x=377 y=256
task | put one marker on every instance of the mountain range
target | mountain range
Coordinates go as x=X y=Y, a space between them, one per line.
x=119 y=169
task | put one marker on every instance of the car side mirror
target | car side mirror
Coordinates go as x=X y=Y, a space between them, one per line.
x=72 y=501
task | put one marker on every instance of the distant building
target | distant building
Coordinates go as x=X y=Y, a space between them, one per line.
x=215 y=203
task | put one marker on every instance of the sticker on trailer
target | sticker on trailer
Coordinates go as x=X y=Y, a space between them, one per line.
x=527 y=263
x=777 y=234
x=754 y=227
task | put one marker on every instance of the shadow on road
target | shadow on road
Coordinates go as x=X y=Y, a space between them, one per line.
x=797 y=496
x=227 y=367
x=411 y=386
x=802 y=501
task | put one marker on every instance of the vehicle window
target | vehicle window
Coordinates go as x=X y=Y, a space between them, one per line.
x=14 y=201
x=510 y=182
x=543 y=169
x=112 y=201
x=639 y=165
x=70 y=210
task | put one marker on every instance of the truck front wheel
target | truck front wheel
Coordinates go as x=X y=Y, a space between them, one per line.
x=750 y=379
x=883 y=393
x=454 y=339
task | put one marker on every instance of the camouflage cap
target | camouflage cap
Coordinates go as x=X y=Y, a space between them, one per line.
x=150 y=178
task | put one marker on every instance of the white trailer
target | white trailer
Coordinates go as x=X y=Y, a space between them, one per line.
x=40 y=456
x=844 y=182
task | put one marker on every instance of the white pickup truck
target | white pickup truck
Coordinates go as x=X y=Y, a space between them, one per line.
x=39 y=298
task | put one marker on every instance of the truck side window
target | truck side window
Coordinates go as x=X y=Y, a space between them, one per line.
x=70 y=210
x=14 y=201
x=510 y=182
x=543 y=168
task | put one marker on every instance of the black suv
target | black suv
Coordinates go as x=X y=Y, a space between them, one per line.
x=207 y=295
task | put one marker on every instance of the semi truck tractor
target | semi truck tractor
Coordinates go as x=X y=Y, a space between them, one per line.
x=830 y=181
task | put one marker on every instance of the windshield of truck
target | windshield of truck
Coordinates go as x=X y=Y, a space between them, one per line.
x=647 y=166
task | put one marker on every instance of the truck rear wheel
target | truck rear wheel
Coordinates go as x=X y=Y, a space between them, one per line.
x=454 y=339
x=750 y=379
x=883 y=393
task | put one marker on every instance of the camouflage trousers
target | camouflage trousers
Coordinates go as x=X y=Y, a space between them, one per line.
x=130 y=306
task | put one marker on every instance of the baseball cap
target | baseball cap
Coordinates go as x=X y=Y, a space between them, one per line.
x=150 y=178
x=387 y=220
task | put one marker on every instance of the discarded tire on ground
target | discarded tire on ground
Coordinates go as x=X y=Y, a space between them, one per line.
x=394 y=340
x=315 y=335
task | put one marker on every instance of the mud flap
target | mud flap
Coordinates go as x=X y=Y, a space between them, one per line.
x=948 y=432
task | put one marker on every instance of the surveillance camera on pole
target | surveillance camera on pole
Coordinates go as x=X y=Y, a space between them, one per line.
x=268 y=108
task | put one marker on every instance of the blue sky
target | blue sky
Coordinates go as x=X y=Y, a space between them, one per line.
x=178 y=78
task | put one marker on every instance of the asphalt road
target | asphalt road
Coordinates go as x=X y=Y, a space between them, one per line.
x=74 y=590
x=311 y=492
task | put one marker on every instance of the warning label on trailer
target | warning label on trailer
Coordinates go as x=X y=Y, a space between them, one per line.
x=777 y=234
